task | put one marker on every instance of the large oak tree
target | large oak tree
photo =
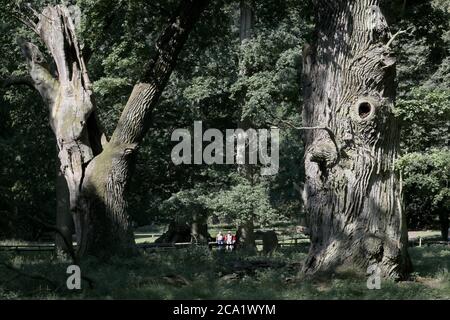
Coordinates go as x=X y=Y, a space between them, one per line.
x=97 y=169
x=352 y=194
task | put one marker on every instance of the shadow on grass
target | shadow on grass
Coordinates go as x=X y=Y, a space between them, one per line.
x=430 y=260
x=198 y=273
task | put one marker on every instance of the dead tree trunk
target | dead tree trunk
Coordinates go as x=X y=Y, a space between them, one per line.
x=353 y=196
x=97 y=171
x=69 y=98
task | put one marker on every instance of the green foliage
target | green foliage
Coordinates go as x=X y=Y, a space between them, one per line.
x=426 y=185
x=243 y=202
x=425 y=119
x=184 y=204
x=429 y=173
x=423 y=106
x=269 y=82
x=423 y=51
x=27 y=174
x=209 y=85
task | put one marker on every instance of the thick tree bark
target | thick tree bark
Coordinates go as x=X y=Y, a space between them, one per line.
x=68 y=95
x=269 y=240
x=64 y=221
x=97 y=171
x=245 y=236
x=353 y=196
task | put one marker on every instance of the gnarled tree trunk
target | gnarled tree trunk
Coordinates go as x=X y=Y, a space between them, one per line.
x=353 y=196
x=68 y=95
x=97 y=171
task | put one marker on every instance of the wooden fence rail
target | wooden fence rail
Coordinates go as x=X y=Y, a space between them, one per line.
x=144 y=246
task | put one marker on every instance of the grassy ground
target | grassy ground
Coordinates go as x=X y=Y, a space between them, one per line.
x=197 y=273
x=428 y=234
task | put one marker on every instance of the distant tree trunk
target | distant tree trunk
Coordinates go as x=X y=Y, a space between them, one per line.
x=353 y=196
x=97 y=171
x=247 y=18
x=245 y=236
x=245 y=232
x=195 y=231
x=64 y=221
x=199 y=229
x=443 y=220
x=269 y=240
x=176 y=233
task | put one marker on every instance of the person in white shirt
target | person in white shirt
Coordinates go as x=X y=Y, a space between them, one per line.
x=220 y=240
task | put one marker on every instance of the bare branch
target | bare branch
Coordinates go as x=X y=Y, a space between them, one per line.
x=291 y=125
x=395 y=36
x=327 y=129
x=35 y=13
x=26 y=21
x=42 y=78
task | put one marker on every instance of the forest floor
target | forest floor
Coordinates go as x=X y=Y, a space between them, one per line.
x=198 y=273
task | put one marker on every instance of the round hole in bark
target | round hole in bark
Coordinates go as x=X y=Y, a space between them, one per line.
x=364 y=109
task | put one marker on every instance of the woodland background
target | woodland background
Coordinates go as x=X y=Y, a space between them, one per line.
x=208 y=85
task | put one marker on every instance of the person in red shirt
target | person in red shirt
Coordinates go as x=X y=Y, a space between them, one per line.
x=230 y=240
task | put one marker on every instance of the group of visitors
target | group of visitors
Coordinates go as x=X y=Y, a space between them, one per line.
x=228 y=241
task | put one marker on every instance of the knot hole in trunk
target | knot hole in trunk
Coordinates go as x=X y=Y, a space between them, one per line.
x=364 y=110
